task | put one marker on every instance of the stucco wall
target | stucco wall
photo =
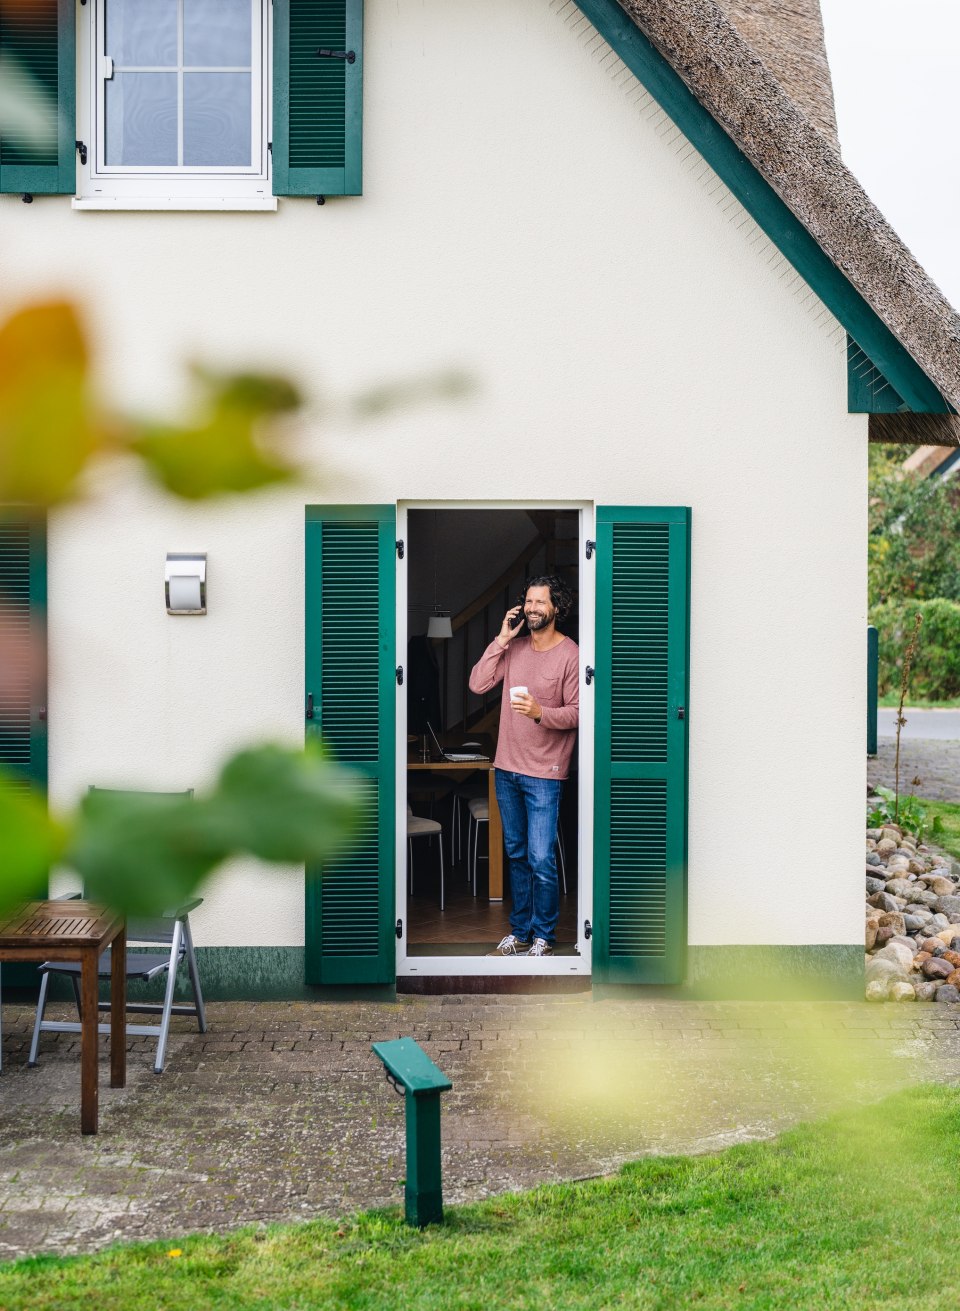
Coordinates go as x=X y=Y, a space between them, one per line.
x=633 y=340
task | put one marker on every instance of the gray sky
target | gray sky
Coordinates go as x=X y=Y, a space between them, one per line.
x=896 y=77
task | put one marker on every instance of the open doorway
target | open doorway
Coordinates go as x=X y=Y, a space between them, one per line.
x=468 y=566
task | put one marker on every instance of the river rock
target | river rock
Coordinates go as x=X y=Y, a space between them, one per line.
x=892 y=920
x=890 y=969
x=947 y=992
x=941 y=886
x=874 y=885
x=940 y=921
x=953 y=957
x=901 y=992
x=885 y=846
x=901 y=888
x=873 y=860
x=901 y=954
x=948 y=906
x=914 y=923
x=884 y=901
x=876 y=990
x=954 y=979
x=935 y=968
x=871 y=934
x=897 y=866
x=918 y=912
x=925 y=990
x=924 y=897
x=884 y=933
x=892 y=831
x=931 y=945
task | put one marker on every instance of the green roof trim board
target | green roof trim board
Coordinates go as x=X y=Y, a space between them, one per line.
x=901 y=373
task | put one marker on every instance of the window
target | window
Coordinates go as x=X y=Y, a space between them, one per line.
x=177 y=102
x=188 y=104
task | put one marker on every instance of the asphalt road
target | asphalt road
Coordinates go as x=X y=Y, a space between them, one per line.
x=942 y=724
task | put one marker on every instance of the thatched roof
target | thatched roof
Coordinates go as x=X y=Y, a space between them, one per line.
x=759 y=68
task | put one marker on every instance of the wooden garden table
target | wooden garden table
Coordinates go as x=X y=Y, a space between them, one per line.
x=80 y=931
x=495 y=836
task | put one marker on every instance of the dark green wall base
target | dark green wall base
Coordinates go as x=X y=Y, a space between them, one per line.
x=808 y=973
x=833 y=973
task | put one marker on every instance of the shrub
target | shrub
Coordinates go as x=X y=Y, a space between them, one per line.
x=935 y=674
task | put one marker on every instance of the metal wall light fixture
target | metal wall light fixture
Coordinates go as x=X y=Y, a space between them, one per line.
x=185 y=583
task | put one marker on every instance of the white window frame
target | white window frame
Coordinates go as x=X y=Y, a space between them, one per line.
x=184 y=187
x=411 y=967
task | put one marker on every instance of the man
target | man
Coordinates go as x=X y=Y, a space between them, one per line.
x=538 y=726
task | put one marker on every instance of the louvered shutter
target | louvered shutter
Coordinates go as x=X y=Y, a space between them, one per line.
x=38 y=38
x=23 y=602
x=350 y=669
x=640 y=804
x=317 y=99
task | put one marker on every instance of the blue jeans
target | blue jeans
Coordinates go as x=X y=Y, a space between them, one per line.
x=530 y=811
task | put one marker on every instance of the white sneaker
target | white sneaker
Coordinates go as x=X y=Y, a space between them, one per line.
x=511 y=945
x=541 y=948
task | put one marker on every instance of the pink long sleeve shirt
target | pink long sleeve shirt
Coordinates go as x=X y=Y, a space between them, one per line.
x=552 y=677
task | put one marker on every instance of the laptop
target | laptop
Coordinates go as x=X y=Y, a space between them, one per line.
x=455 y=757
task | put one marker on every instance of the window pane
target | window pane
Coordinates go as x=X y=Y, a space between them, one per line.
x=142 y=31
x=217 y=33
x=141 y=123
x=216 y=119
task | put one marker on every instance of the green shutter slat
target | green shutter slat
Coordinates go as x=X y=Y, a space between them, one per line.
x=318 y=101
x=641 y=744
x=23 y=739
x=350 y=640
x=40 y=37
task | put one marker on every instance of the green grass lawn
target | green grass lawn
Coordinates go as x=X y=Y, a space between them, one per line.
x=891 y=699
x=947 y=834
x=859 y=1211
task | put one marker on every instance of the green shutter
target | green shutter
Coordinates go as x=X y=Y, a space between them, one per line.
x=40 y=37
x=642 y=709
x=350 y=676
x=317 y=101
x=23 y=606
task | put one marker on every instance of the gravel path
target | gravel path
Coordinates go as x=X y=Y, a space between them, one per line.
x=936 y=762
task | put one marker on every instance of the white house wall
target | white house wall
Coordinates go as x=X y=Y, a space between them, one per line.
x=633 y=340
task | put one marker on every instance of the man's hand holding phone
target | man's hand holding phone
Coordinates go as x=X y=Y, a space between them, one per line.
x=513 y=621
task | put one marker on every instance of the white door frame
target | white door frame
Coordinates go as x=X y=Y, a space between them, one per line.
x=421 y=966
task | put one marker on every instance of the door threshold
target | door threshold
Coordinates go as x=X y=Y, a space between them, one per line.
x=430 y=985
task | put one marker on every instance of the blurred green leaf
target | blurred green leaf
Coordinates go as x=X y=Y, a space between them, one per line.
x=49 y=428
x=147 y=853
x=31 y=842
x=227 y=450
x=450 y=384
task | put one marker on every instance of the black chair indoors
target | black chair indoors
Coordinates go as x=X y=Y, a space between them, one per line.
x=170 y=935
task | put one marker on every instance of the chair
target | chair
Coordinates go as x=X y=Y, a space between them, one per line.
x=479 y=813
x=418 y=827
x=170 y=932
x=463 y=795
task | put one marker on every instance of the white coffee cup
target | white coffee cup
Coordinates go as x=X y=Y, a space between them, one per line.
x=518 y=691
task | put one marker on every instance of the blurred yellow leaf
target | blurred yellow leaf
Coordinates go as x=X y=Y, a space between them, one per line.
x=48 y=427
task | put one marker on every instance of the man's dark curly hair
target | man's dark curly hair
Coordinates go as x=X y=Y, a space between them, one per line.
x=561 y=598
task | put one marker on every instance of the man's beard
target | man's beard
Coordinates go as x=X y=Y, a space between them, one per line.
x=536 y=622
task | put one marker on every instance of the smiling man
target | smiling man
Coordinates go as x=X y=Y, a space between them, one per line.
x=538 y=725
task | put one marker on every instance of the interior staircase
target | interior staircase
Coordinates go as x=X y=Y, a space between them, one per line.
x=553 y=549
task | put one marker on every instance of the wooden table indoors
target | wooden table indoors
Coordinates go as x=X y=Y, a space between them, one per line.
x=80 y=931
x=440 y=766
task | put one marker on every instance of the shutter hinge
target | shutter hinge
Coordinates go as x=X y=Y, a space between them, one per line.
x=269 y=147
x=591 y=547
x=82 y=151
x=27 y=198
x=321 y=200
x=326 y=53
x=399 y=675
x=589 y=671
x=399 y=548
x=309 y=705
x=399 y=928
x=587 y=930
x=83 y=2
x=681 y=712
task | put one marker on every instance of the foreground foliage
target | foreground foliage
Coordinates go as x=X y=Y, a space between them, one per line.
x=856 y=1212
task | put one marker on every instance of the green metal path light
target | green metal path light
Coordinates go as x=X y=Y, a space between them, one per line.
x=410 y=1070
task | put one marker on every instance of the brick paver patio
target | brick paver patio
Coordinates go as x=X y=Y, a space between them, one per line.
x=281 y=1111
